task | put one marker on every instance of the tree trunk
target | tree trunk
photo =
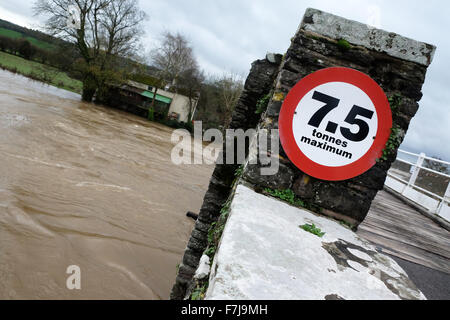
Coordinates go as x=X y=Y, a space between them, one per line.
x=89 y=87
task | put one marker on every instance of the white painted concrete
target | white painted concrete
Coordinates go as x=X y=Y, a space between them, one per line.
x=264 y=254
x=361 y=34
x=203 y=268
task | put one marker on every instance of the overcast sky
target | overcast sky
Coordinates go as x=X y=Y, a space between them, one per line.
x=227 y=35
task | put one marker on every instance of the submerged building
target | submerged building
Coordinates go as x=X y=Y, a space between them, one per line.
x=137 y=98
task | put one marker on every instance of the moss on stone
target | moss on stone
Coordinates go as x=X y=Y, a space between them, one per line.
x=311 y=228
x=279 y=96
x=344 y=45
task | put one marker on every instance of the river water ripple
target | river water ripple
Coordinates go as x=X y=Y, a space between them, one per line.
x=91 y=186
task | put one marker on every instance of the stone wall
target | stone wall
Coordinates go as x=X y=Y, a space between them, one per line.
x=396 y=63
x=257 y=85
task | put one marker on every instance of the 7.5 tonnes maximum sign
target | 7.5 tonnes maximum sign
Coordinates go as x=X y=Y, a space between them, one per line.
x=334 y=123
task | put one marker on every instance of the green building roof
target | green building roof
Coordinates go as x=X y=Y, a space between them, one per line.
x=150 y=95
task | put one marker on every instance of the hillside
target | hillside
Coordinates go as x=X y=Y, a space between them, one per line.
x=17 y=35
x=35 y=37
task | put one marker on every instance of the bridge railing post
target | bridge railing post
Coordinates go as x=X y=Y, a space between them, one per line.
x=415 y=172
x=444 y=199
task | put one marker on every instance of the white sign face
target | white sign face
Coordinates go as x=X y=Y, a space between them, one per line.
x=335 y=124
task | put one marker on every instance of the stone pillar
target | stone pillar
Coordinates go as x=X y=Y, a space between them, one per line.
x=257 y=85
x=396 y=63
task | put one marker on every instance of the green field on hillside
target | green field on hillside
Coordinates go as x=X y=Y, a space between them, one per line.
x=17 y=35
x=39 y=71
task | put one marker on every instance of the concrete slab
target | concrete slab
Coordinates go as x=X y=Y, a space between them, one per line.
x=264 y=254
x=361 y=34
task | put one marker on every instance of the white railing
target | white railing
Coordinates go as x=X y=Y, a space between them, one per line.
x=406 y=184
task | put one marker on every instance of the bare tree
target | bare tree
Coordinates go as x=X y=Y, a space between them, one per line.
x=191 y=82
x=107 y=29
x=122 y=21
x=175 y=60
x=230 y=86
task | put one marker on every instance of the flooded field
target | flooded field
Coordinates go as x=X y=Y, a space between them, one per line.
x=90 y=186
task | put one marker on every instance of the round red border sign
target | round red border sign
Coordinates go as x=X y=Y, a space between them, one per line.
x=292 y=105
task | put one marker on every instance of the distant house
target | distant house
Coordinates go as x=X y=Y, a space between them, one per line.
x=137 y=98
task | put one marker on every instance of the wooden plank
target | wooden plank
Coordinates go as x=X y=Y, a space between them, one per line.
x=409 y=240
x=403 y=232
x=412 y=244
x=403 y=229
x=418 y=257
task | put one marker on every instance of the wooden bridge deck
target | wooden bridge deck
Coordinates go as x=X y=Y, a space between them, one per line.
x=403 y=232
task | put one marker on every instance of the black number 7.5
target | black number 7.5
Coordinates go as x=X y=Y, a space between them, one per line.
x=363 y=126
x=332 y=103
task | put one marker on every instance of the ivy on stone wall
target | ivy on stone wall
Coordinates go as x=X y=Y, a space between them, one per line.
x=262 y=103
x=199 y=291
x=394 y=101
x=214 y=235
x=394 y=141
x=286 y=195
x=396 y=136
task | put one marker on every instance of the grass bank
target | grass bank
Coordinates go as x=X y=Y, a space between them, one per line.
x=40 y=72
x=17 y=35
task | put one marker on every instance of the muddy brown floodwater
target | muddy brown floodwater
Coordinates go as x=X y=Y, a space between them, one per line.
x=86 y=185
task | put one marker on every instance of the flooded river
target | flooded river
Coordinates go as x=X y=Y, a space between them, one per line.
x=90 y=186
